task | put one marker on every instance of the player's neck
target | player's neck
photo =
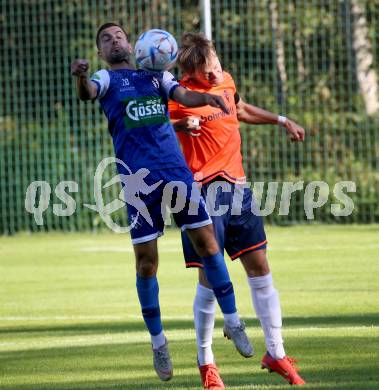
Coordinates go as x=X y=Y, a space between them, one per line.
x=122 y=65
x=198 y=83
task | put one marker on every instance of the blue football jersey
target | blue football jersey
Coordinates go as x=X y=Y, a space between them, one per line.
x=135 y=104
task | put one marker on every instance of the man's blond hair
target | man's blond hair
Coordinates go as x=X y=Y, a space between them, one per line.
x=194 y=52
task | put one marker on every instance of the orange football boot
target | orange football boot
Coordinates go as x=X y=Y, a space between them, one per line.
x=284 y=367
x=211 y=378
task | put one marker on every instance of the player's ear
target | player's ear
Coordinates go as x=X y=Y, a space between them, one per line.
x=130 y=48
x=100 y=55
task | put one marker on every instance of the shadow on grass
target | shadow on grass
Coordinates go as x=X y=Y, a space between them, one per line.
x=112 y=367
x=371 y=319
x=333 y=362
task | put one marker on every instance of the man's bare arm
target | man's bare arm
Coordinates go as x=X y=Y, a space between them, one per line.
x=254 y=115
x=257 y=116
x=85 y=88
x=197 y=99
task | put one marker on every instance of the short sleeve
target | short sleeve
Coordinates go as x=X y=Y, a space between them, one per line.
x=101 y=79
x=169 y=83
x=174 y=109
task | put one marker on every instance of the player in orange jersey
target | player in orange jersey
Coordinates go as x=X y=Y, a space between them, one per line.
x=211 y=145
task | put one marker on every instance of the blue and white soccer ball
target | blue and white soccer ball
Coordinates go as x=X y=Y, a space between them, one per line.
x=156 y=50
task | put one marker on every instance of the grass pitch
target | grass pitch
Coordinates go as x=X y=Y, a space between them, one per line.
x=70 y=319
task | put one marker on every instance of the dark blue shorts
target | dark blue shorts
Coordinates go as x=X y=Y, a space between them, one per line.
x=148 y=221
x=238 y=229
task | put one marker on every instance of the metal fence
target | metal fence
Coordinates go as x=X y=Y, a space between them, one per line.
x=315 y=61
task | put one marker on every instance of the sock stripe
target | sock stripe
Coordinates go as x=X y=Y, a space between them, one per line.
x=148 y=294
x=151 y=312
x=218 y=277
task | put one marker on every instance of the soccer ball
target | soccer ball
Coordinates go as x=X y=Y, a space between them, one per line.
x=156 y=50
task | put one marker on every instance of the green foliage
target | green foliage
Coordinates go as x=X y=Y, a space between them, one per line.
x=46 y=133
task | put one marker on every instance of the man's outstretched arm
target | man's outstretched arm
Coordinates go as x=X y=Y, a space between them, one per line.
x=197 y=99
x=257 y=116
x=85 y=88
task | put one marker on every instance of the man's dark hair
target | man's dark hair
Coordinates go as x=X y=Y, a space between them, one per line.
x=107 y=25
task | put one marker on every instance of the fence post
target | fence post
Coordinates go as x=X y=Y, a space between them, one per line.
x=205 y=9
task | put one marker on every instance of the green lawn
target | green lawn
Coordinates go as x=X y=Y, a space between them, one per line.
x=69 y=314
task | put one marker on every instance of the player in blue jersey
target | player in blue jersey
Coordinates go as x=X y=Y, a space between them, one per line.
x=135 y=104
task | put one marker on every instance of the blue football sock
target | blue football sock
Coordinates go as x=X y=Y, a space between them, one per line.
x=148 y=291
x=218 y=277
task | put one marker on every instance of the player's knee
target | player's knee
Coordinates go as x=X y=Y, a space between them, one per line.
x=203 y=240
x=258 y=269
x=146 y=269
x=206 y=247
x=146 y=265
x=255 y=263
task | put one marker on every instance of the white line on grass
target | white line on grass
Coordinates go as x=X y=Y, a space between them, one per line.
x=164 y=317
x=63 y=318
x=164 y=248
x=49 y=340
x=112 y=249
x=90 y=318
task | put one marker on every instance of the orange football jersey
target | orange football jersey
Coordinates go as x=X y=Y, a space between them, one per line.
x=217 y=152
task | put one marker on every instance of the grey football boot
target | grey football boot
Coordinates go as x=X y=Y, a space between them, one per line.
x=239 y=337
x=162 y=362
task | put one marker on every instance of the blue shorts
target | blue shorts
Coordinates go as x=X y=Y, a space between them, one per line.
x=177 y=188
x=238 y=230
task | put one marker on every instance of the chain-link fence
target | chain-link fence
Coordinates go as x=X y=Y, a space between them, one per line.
x=315 y=61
